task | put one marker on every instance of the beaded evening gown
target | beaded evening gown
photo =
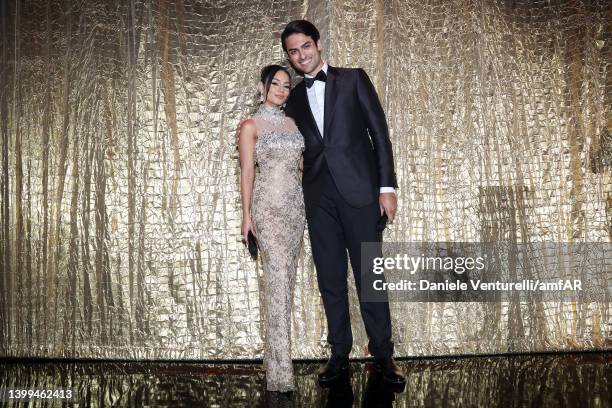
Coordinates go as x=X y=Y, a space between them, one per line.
x=277 y=213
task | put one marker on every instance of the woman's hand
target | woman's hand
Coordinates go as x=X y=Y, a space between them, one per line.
x=245 y=228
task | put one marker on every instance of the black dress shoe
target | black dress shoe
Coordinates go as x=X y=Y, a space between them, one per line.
x=332 y=370
x=390 y=371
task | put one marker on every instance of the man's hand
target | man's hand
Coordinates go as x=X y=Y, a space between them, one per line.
x=388 y=205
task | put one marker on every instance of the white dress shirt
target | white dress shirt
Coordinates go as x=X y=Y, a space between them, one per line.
x=316 y=100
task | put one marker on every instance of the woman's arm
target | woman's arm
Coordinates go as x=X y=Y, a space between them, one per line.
x=301 y=162
x=247 y=136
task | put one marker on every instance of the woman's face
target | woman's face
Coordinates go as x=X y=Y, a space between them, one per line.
x=279 y=89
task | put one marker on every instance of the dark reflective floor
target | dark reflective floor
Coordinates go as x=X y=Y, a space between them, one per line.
x=562 y=380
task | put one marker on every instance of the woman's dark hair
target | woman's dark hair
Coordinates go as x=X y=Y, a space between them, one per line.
x=300 y=27
x=267 y=75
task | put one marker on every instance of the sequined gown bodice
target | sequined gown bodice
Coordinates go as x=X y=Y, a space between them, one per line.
x=278 y=150
x=277 y=213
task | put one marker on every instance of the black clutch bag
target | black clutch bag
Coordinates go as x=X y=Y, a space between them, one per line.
x=252 y=245
x=381 y=224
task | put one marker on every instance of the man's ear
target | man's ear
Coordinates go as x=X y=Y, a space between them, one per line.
x=319 y=46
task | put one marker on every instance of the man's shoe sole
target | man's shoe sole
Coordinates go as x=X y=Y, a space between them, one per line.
x=397 y=388
x=393 y=382
x=328 y=381
x=379 y=370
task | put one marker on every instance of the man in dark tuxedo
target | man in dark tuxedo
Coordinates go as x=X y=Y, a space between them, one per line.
x=349 y=188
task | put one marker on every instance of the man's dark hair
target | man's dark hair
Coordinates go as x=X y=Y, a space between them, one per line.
x=299 y=27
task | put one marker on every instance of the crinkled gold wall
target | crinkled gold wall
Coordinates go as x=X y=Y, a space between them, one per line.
x=120 y=201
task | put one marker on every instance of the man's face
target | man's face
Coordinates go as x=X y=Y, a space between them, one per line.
x=303 y=53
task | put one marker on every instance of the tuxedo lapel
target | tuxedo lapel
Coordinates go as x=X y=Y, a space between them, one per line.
x=331 y=95
x=309 y=119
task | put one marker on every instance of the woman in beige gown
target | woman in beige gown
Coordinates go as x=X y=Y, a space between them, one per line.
x=271 y=147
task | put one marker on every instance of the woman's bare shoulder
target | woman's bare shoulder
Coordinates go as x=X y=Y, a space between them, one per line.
x=247 y=123
x=246 y=131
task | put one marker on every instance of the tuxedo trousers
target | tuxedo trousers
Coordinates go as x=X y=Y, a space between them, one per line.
x=335 y=228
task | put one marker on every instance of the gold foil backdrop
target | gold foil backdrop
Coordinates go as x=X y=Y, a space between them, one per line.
x=120 y=196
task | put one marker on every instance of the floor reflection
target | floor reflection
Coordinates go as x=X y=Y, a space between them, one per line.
x=538 y=380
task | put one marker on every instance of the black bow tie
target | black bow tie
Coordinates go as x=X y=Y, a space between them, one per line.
x=321 y=76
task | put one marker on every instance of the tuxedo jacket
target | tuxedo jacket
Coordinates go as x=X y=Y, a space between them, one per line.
x=355 y=145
